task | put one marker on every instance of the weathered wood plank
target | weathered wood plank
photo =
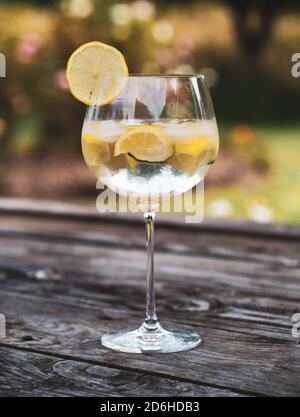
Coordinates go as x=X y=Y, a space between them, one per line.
x=195 y=294
x=24 y=373
x=67 y=211
x=231 y=319
x=224 y=246
x=119 y=264
x=227 y=359
x=178 y=299
x=67 y=275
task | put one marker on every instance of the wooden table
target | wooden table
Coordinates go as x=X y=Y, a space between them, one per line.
x=68 y=275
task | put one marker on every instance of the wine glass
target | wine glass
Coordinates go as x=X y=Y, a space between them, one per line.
x=157 y=138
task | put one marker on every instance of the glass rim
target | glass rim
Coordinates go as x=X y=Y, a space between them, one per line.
x=137 y=75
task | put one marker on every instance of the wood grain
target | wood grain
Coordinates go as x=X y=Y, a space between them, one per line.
x=68 y=211
x=68 y=275
x=26 y=374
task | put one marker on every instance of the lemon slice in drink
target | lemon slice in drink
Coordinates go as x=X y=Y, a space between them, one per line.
x=96 y=73
x=145 y=144
x=196 y=146
x=132 y=163
x=94 y=151
x=189 y=164
x=193 y=153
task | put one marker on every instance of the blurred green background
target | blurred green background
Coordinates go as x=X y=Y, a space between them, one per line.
x=243 y=47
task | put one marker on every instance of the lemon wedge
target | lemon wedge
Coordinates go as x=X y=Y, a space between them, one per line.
x=193 y=153
x=196 y=146
x=94 y=151
x=132 y=163
x=188 y=164
x=90 y=138
x=96 y=73
x=145 y=143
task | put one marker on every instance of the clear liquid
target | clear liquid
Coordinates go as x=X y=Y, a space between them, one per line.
x=141 y=158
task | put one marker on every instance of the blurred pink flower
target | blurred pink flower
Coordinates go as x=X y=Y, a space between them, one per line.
x=20 y=102
x=165 y=57
x=60 y=80
x=30 y=44
x=184 y=47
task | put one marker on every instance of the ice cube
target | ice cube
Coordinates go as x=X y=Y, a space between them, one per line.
x=188 y=130
x=106 y=130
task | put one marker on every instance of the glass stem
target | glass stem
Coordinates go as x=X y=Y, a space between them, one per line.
x=151 y=322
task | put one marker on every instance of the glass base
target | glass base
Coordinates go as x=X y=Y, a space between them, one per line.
x=143 y=340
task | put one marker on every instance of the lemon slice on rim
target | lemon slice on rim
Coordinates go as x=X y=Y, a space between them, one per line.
x=96 y=73
x=145 y=144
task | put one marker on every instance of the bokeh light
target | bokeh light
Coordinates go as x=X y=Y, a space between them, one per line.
x=220 y=208
x=162 y=31
x=183 y=69
x=121 y=33
x=143 y=10
x=259 y=212
x=211 y=76
x=121 y=14
x=80 y=9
